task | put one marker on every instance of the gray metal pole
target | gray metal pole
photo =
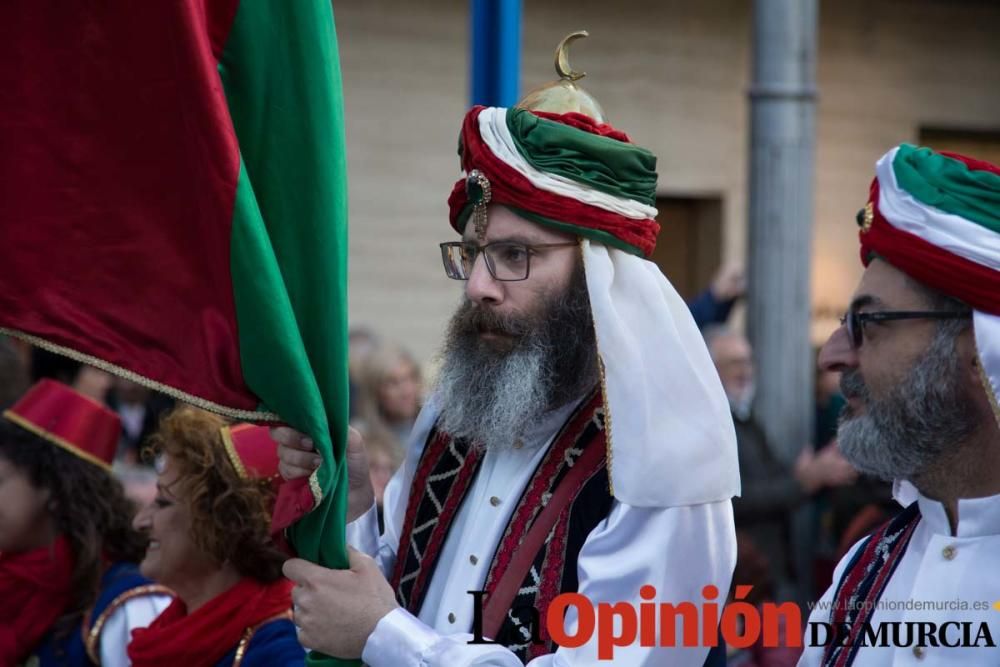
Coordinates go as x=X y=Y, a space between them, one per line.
x=782 y=174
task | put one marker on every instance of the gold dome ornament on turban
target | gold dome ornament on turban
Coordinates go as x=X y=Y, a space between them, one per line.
x=564 y=94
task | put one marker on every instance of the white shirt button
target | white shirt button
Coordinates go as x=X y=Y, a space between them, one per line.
x=949 y=552
x=919 y=652
x=495 y=501
x=473 y=559
x=451 y=618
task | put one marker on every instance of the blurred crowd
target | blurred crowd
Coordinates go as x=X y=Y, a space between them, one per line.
x=387 y=389
x=794 y=518
x=807 y=510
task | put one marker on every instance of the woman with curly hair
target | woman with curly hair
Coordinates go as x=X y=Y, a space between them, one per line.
x=209 y=541
x=70 y=590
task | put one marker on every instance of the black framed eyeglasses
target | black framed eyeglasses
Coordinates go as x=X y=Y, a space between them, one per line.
x=505 y=260
x=856 y=321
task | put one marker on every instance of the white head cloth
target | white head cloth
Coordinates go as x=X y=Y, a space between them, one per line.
x=671 y=438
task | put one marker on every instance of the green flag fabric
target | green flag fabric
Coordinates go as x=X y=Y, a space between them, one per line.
x=174 y=210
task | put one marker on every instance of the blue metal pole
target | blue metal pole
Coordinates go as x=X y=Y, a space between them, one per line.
x=496 y=52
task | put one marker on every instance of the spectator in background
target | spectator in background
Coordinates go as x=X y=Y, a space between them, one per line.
x=829 y=403
x=384 y=457
x=45 y=364
x=140 y=410
x=753 y=569
x=713 y=306
x=87 y=380
x=389 y=393
x=93 y=383
x=360 y=342
x=771 y=489
x=138 y=481
x=70 y=590
x=846 y=513
x=390 y=390
x=13 y=373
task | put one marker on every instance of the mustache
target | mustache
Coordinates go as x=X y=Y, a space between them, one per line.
x=852 y=385
x=472 y=319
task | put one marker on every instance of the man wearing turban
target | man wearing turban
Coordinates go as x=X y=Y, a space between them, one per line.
x=919 y=352
x=578 y=438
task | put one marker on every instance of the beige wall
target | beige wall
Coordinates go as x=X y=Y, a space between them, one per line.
x=887 y=68
x=674 y=75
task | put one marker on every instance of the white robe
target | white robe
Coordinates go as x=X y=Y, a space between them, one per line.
x=940 y=568
x=678 y=550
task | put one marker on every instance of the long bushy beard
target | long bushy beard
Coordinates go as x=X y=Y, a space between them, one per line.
x=489 y=392
x=925 y=416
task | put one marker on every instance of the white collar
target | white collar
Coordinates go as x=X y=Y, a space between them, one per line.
x=977 y=517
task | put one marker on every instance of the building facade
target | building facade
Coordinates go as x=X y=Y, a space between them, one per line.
x=674 y=75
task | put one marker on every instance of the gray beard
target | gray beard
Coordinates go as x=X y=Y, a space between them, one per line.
x=487 y=399
x=488 y=395
x=923 y=418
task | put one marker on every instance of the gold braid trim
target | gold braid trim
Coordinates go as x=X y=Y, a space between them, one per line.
x=988 y=386
x=317 y=490
x=92 y=636
x=607 y=420
x=204 y=404
x=234 y=457
x=248 y=634
x=55 y=439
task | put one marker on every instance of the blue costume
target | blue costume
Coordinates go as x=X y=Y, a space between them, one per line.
x=80 y=647
x=271 y=644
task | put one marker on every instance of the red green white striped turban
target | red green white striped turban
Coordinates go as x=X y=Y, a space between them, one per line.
x=936 y=217
x=565 y=171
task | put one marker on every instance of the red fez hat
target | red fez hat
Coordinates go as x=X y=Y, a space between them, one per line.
x=254 y=454
x=70 y=420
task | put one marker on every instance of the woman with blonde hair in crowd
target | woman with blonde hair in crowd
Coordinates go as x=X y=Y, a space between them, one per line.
x=389 y=397
x=70 y=589
x=209 y=530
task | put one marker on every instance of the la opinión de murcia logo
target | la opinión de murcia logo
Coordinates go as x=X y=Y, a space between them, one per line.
x=739 y=624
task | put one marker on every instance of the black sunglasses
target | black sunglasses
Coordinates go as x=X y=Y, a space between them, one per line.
x=856 y=321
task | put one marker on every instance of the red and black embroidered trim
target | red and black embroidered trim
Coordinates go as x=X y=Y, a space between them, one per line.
x=443 y=477
x=864 y=580
x=547 y=577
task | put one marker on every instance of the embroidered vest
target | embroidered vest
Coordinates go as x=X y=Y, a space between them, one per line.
x=864 y=580
x=444 y=475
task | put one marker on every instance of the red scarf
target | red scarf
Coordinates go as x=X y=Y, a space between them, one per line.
x=213 y=630
x=36 y=588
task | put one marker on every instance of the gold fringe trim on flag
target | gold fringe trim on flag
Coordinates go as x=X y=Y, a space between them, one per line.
x=317 y=490
x=232 y=413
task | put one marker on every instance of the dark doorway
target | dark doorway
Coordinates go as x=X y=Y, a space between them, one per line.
x=689 y=248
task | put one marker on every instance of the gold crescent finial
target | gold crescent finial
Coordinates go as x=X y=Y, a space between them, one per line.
x=563 y=68
x=564 y=95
